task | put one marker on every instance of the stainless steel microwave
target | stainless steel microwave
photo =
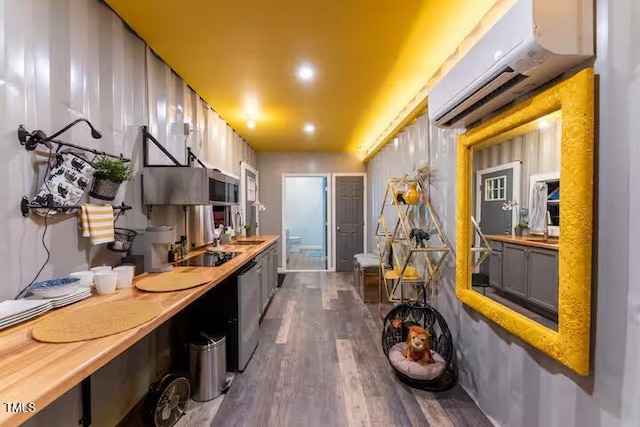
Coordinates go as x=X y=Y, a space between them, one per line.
x=188 y=186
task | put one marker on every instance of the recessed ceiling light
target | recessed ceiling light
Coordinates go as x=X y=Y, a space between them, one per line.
x=309 y=128
x=251 y=123
x=306 y=73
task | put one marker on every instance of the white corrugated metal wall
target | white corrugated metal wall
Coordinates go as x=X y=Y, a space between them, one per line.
x=64 y=59
x=514 y=384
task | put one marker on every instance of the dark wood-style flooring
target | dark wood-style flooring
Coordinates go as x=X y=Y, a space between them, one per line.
x=319 y=363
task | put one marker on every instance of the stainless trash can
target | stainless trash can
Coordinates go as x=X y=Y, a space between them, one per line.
x=208 y=366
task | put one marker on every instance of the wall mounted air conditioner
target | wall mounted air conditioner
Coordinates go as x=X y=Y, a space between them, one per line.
x=532 y=43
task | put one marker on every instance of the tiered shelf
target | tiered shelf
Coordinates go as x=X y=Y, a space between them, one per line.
x=409 y=266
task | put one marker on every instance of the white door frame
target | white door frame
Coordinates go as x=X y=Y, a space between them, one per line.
x=364 y=212
x=244 y=167
x=330 y=247
x=517 y=170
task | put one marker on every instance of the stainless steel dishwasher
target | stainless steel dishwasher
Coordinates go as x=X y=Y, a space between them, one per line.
x=249 y=279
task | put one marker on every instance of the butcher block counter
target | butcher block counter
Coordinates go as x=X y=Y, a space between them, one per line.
x=538 y=242
x=38 y=373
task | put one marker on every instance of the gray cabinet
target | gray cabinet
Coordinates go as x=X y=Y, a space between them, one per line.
x=264 y=281
x=495 y=269
x=542 y=278
x=530 y=273
x=268 y=262
x=514 y=270
x=274 y=268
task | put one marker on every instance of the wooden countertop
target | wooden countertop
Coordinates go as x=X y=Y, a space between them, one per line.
x=552 y=243
x=31 y=371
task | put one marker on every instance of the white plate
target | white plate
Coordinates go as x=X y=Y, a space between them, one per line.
x=79 y=297
x=11 y=308
x=76 y=292
x=23 y=318
x=55 y=291
x=27 y=313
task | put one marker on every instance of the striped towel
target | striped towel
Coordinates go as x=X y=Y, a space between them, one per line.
x=97 y=223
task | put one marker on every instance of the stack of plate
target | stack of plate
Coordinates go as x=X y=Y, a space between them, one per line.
x=13 y=312
x=77 y=295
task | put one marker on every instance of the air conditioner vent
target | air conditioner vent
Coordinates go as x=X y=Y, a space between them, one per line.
x=501 y=83
x=533 y=42
x=488 y=97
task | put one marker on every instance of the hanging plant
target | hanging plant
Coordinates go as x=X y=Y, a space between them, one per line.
x=109 y=174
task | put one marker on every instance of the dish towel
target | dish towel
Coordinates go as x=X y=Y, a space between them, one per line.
x=96 y=222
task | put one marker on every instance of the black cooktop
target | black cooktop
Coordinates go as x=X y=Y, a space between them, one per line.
x=208 y=259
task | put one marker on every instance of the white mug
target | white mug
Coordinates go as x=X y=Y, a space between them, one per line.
x=101 y=268
x=125 y=275
x=86 y=278
x=106 y=282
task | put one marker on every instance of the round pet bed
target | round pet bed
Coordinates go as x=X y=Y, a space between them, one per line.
x=413 y=369
x=395 y=330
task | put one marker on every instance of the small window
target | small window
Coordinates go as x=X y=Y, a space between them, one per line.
x=495 y=188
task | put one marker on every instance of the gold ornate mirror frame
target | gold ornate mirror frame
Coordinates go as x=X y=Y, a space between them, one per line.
x=574 y=97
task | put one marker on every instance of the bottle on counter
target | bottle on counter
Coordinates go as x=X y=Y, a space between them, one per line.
x=178 y=251
x=185 y=246
x=171 y=256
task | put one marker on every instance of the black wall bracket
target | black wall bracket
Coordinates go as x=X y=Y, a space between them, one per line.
x=26 y=206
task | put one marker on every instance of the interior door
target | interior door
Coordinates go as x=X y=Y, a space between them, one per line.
x=496 y=188
x=349 y=220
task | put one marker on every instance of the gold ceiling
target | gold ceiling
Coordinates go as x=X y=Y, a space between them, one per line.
x=370 y=59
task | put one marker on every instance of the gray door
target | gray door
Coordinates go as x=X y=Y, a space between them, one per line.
x=496 y=188
x=251 y=216
x=349 y=220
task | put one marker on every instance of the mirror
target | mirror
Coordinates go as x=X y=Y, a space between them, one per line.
x=524 y=253
x=515 y=191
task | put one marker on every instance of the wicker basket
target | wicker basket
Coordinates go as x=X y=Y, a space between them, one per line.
x=123 y=239
x=104 y=189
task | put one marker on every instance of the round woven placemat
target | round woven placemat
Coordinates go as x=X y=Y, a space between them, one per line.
x=174 y=281
x=95 y=321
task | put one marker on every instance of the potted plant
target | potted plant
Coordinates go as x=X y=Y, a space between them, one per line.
x=109 y=174
x=259 y=207
x=519 y=230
